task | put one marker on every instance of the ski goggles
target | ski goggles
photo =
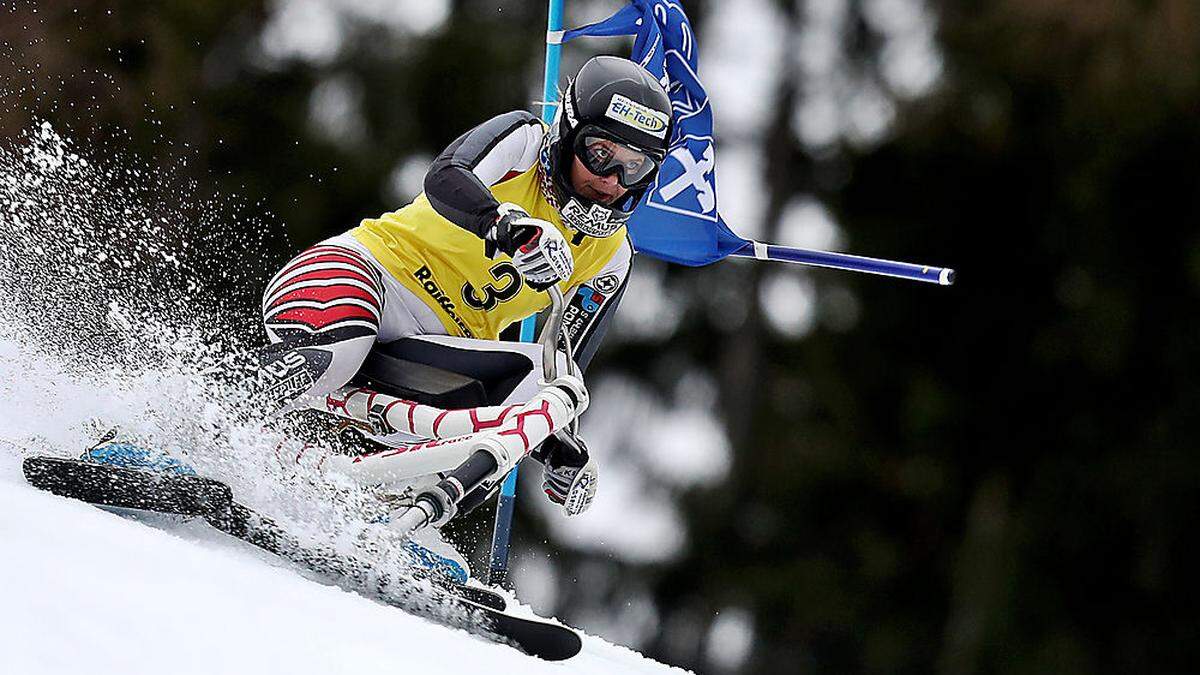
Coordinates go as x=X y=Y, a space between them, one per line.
x=604 y=155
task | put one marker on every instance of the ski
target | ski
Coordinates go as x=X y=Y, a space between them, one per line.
x=479 y=596
x=481 y=611
x=537 y=638
x=184 y=495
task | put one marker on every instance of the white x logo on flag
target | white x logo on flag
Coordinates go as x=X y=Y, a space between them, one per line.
x=693 y=175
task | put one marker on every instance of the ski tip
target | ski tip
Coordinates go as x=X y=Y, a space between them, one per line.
x=536 y=637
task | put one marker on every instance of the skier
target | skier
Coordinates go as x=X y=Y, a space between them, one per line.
x=509 y=208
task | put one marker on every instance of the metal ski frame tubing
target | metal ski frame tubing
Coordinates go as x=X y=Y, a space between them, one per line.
x=507 y=433
x=492 y=452
x=502 y=532
x=757 y=250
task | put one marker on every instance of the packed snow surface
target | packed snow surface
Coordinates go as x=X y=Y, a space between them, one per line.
x=87 y=590
x=110 y=317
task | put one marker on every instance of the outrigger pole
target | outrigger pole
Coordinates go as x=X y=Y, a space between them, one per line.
x=502 y=532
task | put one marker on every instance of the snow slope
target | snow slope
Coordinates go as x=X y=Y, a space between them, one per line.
x=86 y=590
x=103 y=325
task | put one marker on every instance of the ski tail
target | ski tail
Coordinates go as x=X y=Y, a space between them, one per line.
x=180 y=494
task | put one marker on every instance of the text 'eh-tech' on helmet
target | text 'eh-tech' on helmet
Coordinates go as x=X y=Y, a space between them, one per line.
x=611 y=99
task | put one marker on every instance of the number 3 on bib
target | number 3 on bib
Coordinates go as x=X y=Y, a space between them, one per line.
x=502 y=272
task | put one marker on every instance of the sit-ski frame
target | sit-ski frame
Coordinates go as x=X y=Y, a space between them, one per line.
x=474 y=445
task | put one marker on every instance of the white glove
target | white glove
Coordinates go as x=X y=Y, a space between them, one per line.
x=568 y=474
x=539 y=251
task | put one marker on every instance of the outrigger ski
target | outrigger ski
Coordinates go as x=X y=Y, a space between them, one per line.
x=192 y=495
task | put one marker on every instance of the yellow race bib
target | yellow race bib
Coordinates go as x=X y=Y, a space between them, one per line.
x=444 y=265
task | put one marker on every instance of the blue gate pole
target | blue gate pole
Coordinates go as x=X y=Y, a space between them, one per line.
x=501 y=534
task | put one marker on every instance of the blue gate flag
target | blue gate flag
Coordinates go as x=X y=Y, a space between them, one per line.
x=677 y=219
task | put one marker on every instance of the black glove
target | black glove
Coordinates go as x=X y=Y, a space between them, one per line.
x=507 y=235
x=539 y=251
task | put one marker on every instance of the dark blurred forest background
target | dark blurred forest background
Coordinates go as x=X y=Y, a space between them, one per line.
x=1000 y=476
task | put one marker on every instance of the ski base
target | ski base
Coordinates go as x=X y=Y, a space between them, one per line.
x=179 y=494
x=212 y=500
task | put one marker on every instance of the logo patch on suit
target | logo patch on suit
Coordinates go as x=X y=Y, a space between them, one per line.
x=607 y=283
x=582 y=310
x=595 y=221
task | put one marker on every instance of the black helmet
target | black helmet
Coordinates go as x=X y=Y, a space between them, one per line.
x=616 y=118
